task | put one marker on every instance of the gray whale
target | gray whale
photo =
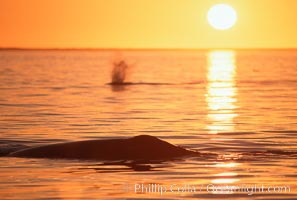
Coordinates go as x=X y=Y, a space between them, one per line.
x=139 y=148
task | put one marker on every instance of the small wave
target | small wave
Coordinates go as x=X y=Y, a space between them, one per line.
x=150 y=83
x=272 y=152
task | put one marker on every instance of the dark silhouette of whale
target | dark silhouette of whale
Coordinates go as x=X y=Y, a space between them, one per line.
x=140 y=148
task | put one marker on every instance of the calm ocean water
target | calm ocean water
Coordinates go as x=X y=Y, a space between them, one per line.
x=240 y=105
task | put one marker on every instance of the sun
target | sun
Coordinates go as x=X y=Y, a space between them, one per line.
x=222 y=16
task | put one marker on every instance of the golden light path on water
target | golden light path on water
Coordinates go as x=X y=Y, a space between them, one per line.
x=221 y=91
x=221 y=103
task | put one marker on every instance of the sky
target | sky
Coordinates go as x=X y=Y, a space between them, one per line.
x=144 y=24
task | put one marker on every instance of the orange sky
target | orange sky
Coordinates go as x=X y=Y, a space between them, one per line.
x=144 y=24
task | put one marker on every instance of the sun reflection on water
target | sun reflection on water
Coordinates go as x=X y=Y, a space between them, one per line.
x=226 y=177
x=221 y=91
x=221 y=101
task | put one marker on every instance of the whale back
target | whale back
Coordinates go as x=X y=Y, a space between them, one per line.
x=143 y=147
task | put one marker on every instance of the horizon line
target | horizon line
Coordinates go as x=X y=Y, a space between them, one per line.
x=147 y=49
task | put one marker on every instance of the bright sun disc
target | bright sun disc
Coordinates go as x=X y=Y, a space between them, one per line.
x=222 y=16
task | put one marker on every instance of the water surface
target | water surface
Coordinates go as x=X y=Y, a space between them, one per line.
x=240 y=105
